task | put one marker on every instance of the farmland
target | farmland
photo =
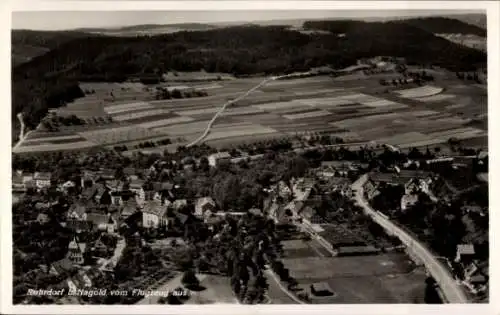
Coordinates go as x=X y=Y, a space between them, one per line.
x=355 y=110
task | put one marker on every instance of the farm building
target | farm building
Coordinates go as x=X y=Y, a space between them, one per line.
x=321 y=289
x=42 y=180
x=408 y=201
x=357 y=250
x=465 y=253
x=204 y=204
x=154 y=214
x=217 y=158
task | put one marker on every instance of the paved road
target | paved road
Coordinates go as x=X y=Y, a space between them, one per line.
x=275 y=284
x=452 y=291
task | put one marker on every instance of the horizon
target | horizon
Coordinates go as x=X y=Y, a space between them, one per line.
x=74 y=20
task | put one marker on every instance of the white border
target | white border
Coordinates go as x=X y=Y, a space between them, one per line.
x=492 y=8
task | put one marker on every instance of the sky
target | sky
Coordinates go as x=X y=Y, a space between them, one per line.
x=61 y=20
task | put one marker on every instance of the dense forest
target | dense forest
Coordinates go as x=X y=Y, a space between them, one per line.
x=439 y=25
x=51 y=79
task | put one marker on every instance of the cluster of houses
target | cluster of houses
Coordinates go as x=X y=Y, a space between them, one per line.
x=413 y=181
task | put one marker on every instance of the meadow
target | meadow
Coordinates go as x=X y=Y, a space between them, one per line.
x=355 y=110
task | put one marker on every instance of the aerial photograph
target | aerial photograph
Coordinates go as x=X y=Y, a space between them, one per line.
x=263 y=157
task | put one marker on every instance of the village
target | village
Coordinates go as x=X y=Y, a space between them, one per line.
x=106 y=212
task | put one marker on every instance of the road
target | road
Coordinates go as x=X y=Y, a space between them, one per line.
x=239 y=98
x=452 y=291
x=223 y=108
x=117 y=254
x=275 y=284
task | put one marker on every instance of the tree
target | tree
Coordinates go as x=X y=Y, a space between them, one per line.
x=189 y=279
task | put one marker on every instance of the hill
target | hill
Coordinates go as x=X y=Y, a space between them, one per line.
x=148 y=29
x=50 y=80
x=27 y=44
x=440 y=25
x=478 y=20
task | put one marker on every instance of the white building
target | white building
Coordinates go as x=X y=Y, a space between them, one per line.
x=216 y=158
x=42 y=180
x=154 y=215
x=204 y=204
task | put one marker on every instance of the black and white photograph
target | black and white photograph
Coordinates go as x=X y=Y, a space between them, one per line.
x=264 y=157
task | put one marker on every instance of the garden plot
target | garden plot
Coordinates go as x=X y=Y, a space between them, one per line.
x=184 y=128
x=409 y=137
x=208 y=86
x=422 y=91
x=316 y=92
x=115 y=109
x=54 y=147
x=68 y=138
x=323 y=268
x=310 y=114
x=279 y=105
x=166 y=122
x=237 y=130
x=424 y=143
x=119 y=134
x=383 y=103
x=140 y=114
x=235 y=111
x=201 y=111
x=360 y=98
x=362 y=122
x=422 y=113
x=326 y=101
x=137 y=86
x=436 y=98
x=459 y=133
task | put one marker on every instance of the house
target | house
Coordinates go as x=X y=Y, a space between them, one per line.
x=106 y=174
x=77 y=211
x=284 y=190
x=128 y=208
x=280 y=215
x=76 y=251
x=18 y=185
x=102 y=195
x=88 y=178
x=203 y=204
x=136 y=186
x=154 y=215
x=103 y=222
x=179 y=204
x=255 y=211
x=357 y=250
x=27 y=177
x=339 y=184
x=115 y=185
x=465 y=253
x=408 y=201
x=43 y=218
x=61 y=267
x=321 y=289
x=67 y=186
x=99 y=249
x=216 y=158
x=42 y=180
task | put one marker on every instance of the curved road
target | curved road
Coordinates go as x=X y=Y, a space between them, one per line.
x=223 y=108
x=451 y=289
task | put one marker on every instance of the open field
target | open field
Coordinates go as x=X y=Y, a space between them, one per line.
x=422 y=91
x=217 y=290
x=352 y=110
x=384 y=278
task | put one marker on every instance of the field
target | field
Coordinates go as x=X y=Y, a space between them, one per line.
x=384 y=278
x=355 y=110
x=217 y=290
